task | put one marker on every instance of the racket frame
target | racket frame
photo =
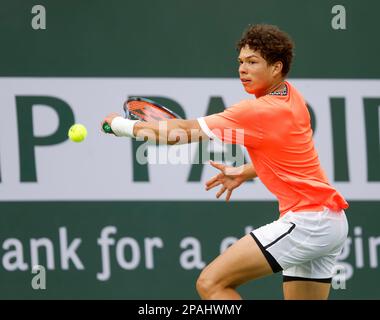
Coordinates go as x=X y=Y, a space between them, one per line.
x=158 y=105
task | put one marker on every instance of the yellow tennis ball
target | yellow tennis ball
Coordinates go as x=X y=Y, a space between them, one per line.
x=77 y=132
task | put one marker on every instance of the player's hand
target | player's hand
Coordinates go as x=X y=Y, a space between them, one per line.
x=108 y=119
x=230 y=178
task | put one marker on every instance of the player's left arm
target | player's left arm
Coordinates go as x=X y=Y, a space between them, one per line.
x=174 y=131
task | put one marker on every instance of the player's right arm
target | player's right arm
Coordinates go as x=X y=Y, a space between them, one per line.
x=230 y=178
x=173 y=131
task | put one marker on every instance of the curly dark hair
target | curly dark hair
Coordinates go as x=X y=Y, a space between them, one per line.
x=272 y=43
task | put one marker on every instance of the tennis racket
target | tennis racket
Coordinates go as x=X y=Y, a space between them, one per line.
x=143 y=109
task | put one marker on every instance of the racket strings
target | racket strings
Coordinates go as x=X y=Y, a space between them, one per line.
x=147 y=112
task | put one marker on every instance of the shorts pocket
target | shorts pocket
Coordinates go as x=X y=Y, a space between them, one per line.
x=283 y=230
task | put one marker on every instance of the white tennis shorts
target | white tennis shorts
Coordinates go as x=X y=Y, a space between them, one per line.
x=304 y=245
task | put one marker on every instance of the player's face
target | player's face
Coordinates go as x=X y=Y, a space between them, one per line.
x=255 y=73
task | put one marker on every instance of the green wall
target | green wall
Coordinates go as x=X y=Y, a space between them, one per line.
x=209 y=222
x=172 y=38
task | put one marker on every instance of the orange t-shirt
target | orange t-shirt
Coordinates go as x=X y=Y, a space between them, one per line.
x=278 y=136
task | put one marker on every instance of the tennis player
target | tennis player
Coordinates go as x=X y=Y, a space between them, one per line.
x=312 y=227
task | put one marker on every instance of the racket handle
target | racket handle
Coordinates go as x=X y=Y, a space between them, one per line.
x=107 y=128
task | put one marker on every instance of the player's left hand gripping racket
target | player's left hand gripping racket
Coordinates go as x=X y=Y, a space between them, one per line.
x=143 y=109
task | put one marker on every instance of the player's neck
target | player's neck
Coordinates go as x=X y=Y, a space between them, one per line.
x=278 y=86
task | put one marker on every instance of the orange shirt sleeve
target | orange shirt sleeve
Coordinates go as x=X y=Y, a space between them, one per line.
x=237 y=124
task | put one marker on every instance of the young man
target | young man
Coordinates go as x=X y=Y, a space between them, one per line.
x=305 y=241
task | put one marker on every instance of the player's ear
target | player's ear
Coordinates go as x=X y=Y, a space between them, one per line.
x=277 y=68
